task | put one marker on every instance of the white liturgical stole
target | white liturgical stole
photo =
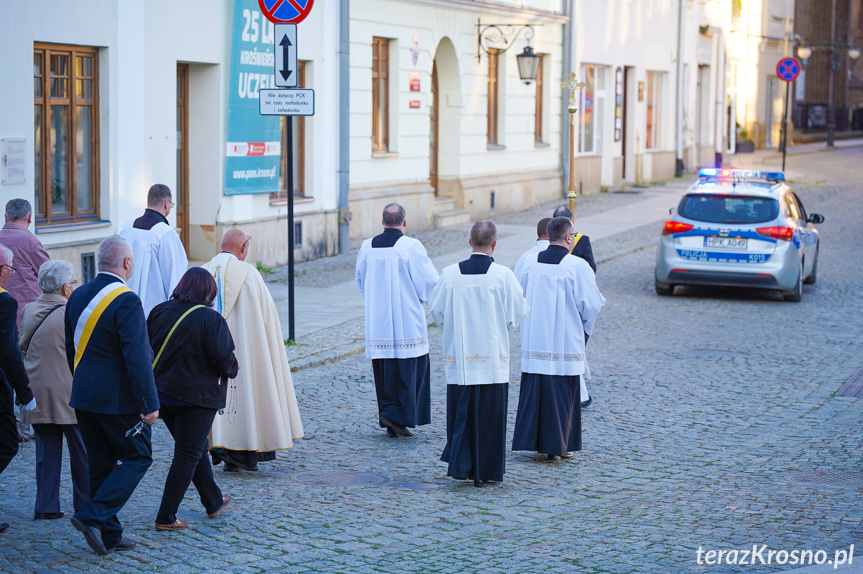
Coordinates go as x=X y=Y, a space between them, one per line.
x=564 y=302
x=395 y=282
x=476 y=313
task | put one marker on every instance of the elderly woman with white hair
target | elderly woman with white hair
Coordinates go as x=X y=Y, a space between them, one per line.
x=42 y=340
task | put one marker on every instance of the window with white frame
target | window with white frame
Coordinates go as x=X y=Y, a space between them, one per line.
x=653 y=132
x=591 y=107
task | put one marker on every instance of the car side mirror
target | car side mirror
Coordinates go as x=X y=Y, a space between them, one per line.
x=816 y=218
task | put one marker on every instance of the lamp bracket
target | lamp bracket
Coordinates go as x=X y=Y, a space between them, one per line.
x=499 y=36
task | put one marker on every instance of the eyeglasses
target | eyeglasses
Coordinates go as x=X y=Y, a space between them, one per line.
x=248 y=238
x=10 y=267
x=172 y=203
x=570 y=234
x=73 y=282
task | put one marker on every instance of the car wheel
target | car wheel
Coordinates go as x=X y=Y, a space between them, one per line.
x=663 y=290
x=797 y=293
x=814 y=275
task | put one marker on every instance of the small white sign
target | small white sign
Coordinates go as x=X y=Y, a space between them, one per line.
x=299 y=102
x=285 y=44
x=13 y=160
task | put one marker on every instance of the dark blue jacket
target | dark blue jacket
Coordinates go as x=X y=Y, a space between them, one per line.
x=115 y=375
x=11 y=365
x=582 y=249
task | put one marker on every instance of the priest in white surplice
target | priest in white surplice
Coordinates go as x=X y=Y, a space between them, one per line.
x=477 y=302
x=396 y=278
x=564 y=301
x=160 y=259
x=261 y=415
x=540 y=245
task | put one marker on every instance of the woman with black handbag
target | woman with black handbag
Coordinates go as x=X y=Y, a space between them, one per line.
x=194 y=358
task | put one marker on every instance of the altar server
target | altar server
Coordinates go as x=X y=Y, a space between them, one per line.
x=540 y=245
x=261 y=415
x=396 y=278
x=565 y=300
x=477 y=302
x=160 y=259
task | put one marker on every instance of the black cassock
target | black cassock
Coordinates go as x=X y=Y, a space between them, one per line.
x=476 y=417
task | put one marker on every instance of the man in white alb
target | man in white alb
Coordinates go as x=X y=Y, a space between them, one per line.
x=160 y=259
x=477 y=302
x=396 y=278
x=564 y=301
x=540 y=245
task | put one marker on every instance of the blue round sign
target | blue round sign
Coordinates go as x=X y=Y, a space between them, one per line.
x=286 y=11
x=788 y=69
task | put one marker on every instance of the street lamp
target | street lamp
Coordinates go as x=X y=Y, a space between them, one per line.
x=501 y=38
x=854 y=51
x=805 y=52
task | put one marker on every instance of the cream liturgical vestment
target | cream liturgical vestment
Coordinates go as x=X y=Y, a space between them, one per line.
x=160 y=261
x=476 y=312
x=261 y=413
x=564 y=301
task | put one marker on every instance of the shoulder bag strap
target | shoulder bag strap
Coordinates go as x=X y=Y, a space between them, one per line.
x=171 y=332
x=30 y=338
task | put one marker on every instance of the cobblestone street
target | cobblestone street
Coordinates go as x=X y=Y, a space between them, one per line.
x=716 y=423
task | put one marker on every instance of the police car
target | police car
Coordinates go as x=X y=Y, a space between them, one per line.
x=739 y=228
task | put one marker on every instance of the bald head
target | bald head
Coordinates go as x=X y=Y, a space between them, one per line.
x=237 y=242
x=483 y=236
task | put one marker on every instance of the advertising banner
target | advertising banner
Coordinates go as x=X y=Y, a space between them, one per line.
x=254 y=141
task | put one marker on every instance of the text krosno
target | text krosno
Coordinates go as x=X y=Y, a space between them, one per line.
x=763 y=555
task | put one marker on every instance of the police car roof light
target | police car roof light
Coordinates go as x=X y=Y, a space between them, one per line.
x=726 y=173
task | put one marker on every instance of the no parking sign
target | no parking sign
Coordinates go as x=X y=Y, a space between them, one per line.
x=286 y=11
x=788 y=69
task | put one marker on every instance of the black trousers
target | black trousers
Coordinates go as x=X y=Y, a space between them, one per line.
x=8 y=425
x=49 y=460
x=111 y=484
x=190 y=427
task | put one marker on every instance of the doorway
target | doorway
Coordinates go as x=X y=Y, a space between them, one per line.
x=444 y=121
x=181 y=191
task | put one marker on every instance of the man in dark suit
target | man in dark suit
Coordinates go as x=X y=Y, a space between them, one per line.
x=12 y=373
x=113 y=390
x=582 y=246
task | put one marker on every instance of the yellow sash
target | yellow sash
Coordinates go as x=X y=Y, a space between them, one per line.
x=577 y=237
x=94 y=318
x=2 y=290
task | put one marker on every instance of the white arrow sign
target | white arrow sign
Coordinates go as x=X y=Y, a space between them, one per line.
x=285 y=44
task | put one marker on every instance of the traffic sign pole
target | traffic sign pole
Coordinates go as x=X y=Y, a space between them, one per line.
x=787 y=69
x=290 y=176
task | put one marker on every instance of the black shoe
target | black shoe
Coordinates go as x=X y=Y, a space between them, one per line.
x=4 y=526
x=553 y=457
x=92 y=536
x=391 y=433
x=477 y=483
x=585 y=404
x=398 y=429
x=48 y=515
x=231 y=467
x=123 y=545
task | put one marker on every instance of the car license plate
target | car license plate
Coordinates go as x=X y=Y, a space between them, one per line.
x=727 y=242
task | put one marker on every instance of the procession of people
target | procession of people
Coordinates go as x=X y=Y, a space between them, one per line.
x=202 y=348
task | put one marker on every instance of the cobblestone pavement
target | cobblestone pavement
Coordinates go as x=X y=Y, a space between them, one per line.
x=715 y=425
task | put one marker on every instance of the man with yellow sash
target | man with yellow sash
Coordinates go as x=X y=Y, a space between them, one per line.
x=261 y=415
x=113 y=392
x=12 y=373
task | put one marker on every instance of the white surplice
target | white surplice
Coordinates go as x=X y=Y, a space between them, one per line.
x=261 y=413
x=476 y=312
x=541 y=245
x=160 y=262
x=395 y=282
x=564 y=302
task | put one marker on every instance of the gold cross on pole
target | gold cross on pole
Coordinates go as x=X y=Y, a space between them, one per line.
x=572 y=86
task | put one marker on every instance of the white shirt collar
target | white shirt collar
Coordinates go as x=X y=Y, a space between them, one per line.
x=113 y=275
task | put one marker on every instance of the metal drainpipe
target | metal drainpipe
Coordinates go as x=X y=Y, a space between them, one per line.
x=565 y=152
x=679 y=99
x=344 y=131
